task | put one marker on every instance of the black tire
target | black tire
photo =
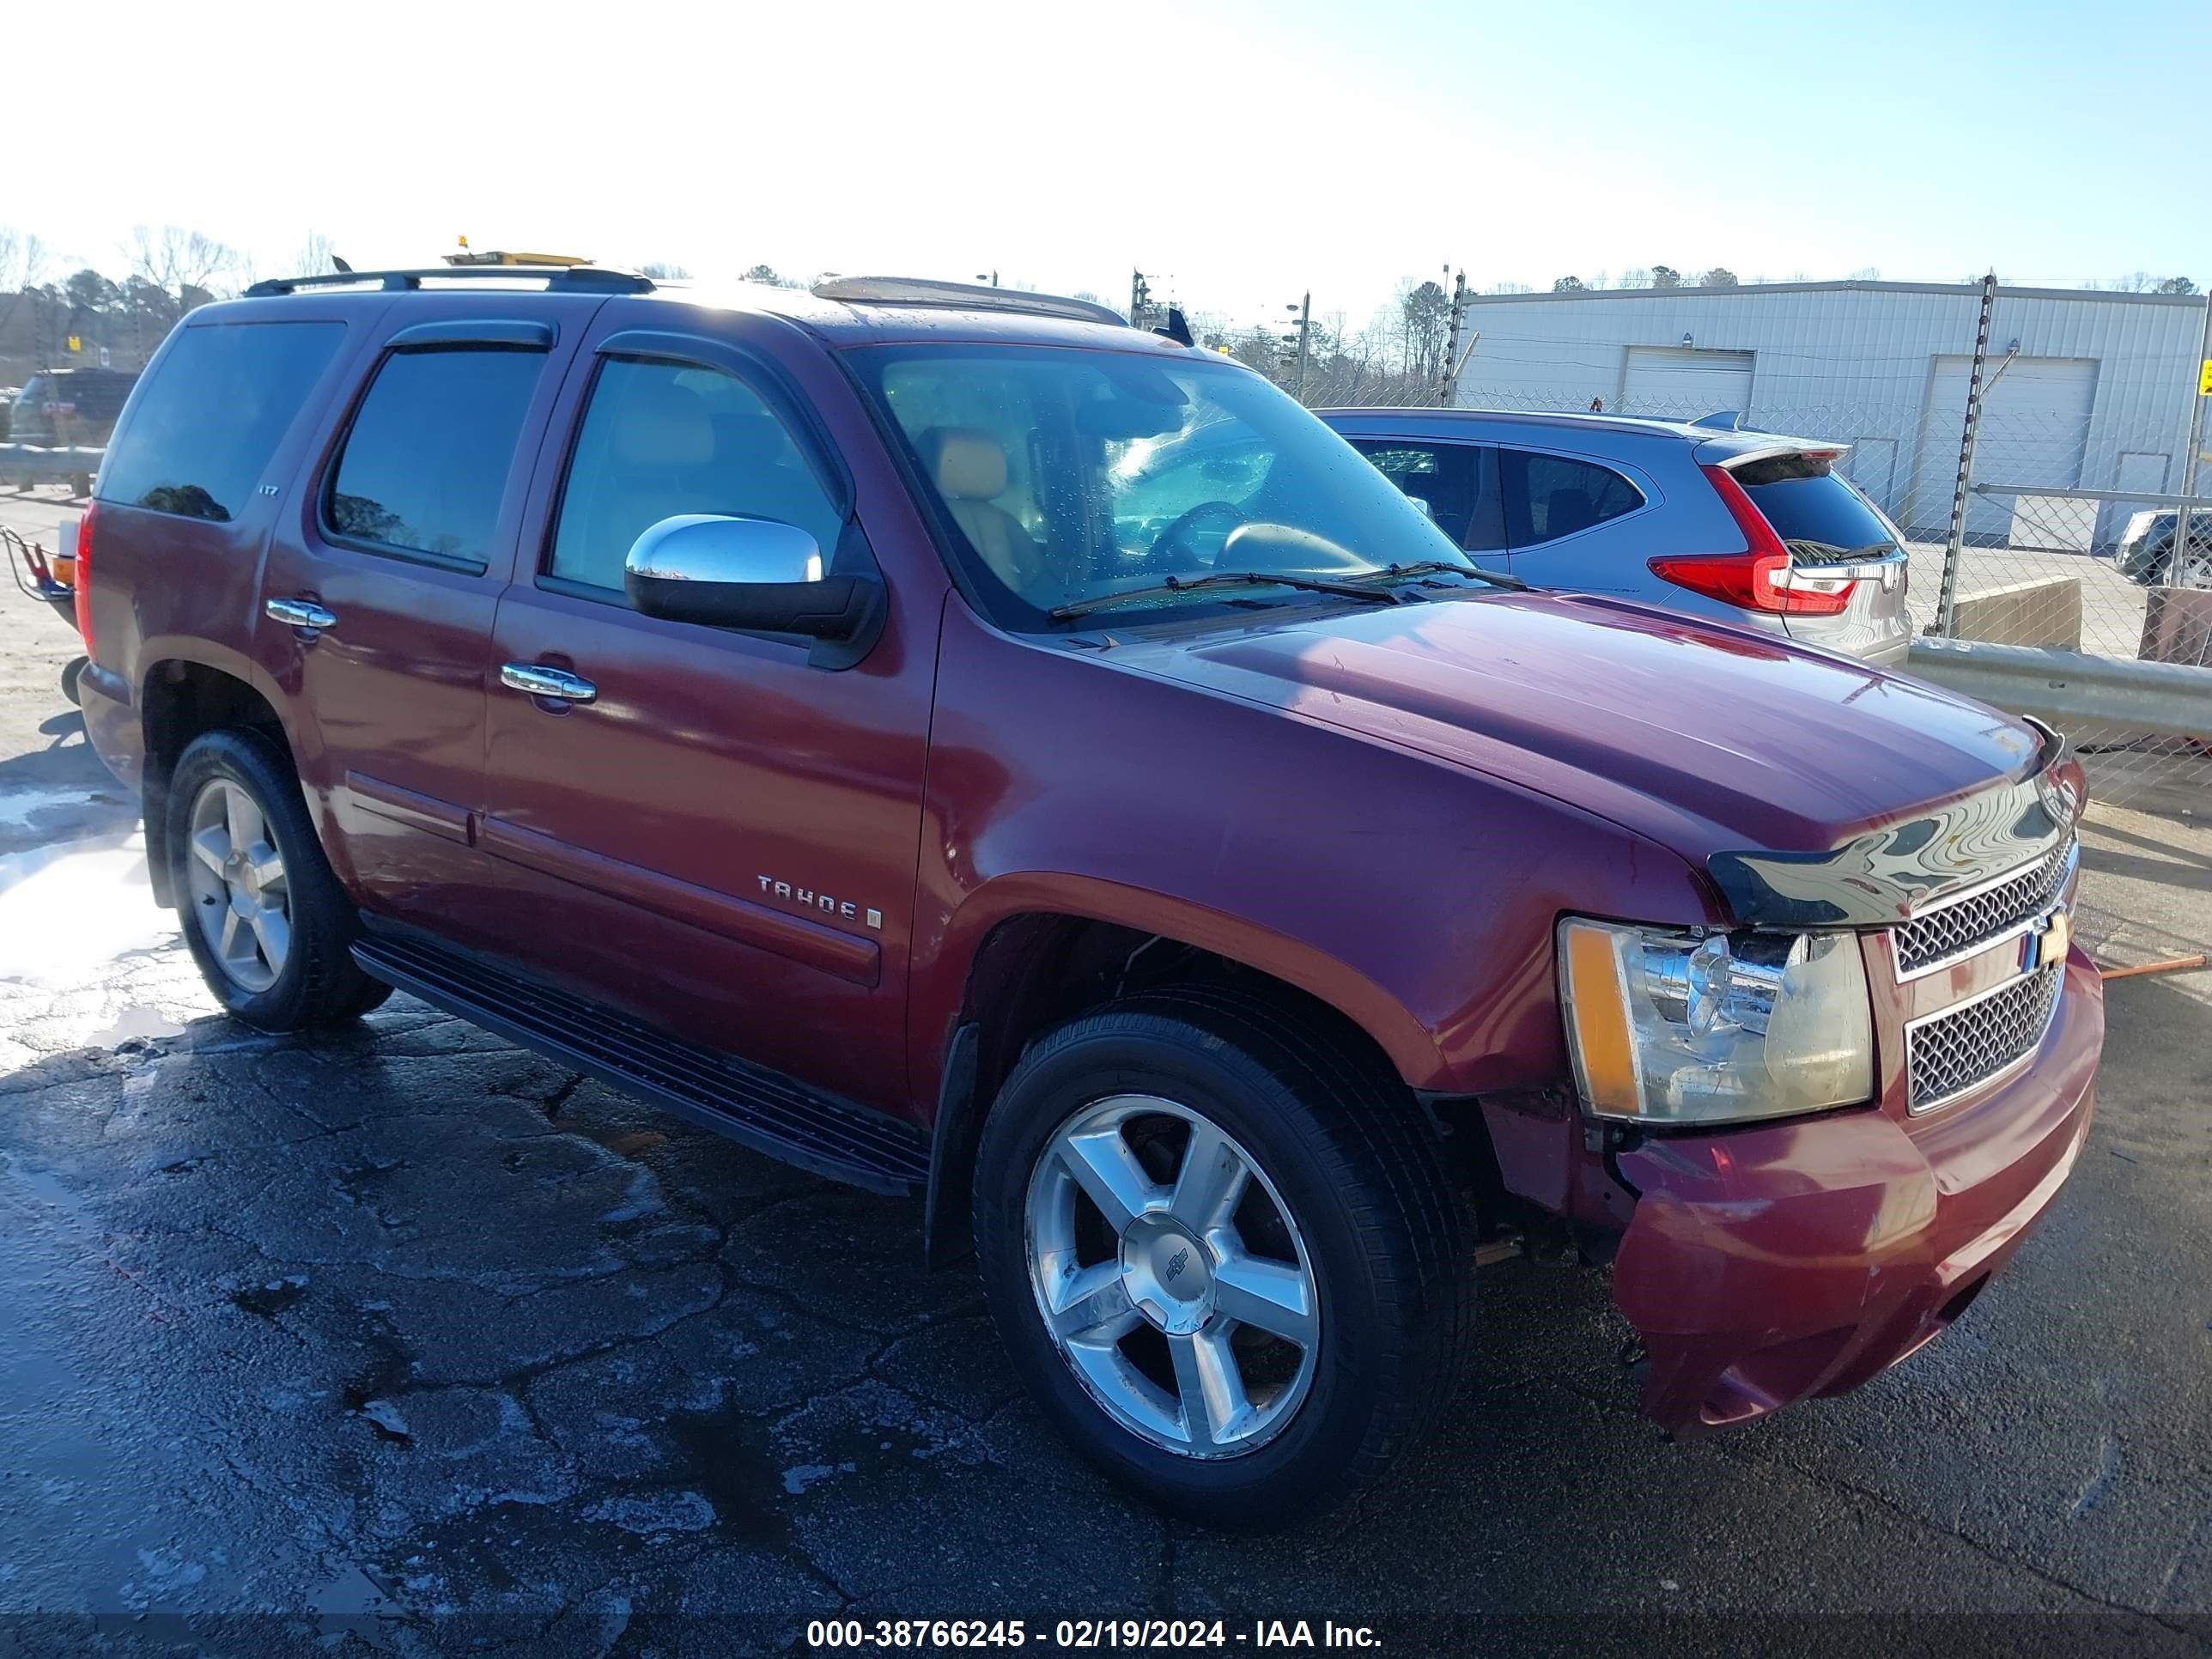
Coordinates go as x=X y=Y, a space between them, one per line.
x=1345 y=1147
x=318 y=984
x=72 y=672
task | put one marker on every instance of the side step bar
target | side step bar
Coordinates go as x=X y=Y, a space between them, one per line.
x=757 y=1107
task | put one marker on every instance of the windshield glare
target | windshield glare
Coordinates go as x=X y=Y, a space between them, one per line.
x=1075 y=473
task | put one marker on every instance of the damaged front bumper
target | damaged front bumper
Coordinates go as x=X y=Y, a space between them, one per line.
x=1764 y=1266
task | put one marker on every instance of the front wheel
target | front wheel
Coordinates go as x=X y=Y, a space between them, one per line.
x=1222 y=1254
x=264 y=916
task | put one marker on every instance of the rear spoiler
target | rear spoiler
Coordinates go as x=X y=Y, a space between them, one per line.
x=1727 y=455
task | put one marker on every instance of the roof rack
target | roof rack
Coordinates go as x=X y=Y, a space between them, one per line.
x=572 y=279
x=968 y=296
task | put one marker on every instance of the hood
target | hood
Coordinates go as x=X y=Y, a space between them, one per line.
x=1705 y=737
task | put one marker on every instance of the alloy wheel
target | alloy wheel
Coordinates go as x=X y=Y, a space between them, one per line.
x=241 y=903
x=1172 y=1277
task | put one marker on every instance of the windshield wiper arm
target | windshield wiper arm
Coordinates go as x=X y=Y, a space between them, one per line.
x=1224 y=579
x=1443 y=567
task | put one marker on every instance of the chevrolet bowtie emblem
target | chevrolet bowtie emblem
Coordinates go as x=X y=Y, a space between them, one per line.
x=2048 y=944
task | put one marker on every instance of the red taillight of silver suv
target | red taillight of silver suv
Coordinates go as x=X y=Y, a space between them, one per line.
x=1763 y=576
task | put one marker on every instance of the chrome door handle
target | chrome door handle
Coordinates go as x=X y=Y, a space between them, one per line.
x=301 y=613
x=542 y=682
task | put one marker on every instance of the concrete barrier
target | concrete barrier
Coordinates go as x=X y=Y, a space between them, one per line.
x=2045 y=613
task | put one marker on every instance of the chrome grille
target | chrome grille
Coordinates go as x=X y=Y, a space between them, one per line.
x=1951 y=1053
x=1963 y=926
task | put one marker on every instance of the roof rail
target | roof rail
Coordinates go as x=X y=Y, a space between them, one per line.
x=968 y=296
x=572 y=279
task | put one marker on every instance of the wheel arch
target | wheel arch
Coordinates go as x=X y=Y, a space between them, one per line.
x=180 y=698
x=1029 y=969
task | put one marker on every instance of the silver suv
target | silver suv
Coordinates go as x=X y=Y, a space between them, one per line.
x=1747 y=527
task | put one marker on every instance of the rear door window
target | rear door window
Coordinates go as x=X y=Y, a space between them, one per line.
x=425 y=465
x=1548 y=496
x=219 y=403
x=1458 y=482
x=1817 y=514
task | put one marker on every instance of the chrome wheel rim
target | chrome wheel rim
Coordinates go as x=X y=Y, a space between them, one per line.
x=241 y=903
x=1172 y=1277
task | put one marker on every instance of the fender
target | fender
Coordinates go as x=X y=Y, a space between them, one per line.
x=943 y=955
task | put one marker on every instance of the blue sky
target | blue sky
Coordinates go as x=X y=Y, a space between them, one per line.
x=1245 y=151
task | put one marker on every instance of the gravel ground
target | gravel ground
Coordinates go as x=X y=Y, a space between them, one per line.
x=408 y=1341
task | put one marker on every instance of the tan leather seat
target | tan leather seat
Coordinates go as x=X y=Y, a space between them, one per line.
x=969 y=469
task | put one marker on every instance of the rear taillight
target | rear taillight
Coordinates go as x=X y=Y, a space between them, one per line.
x=83 y=573
x=1763 y=577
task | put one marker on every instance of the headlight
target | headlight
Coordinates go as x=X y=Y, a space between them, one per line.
x=1669 y=1027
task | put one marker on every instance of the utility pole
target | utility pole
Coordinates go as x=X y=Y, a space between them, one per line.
x=1947 y=597
x=1448 y=390
x=1295 y=351
x=1140 y=299
x=2177 y=562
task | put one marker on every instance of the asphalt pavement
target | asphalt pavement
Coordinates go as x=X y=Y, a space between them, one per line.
x=407 y=1342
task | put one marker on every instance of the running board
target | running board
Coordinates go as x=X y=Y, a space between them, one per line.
x=754 y=1106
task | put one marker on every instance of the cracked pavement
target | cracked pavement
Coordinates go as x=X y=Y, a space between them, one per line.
x=406 y=1341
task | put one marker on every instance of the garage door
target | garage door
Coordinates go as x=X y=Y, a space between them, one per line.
x=2035 y=429
x=1684 y=385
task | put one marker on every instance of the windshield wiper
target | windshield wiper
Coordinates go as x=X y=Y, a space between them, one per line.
x=1224 y=579
x=1442 y=567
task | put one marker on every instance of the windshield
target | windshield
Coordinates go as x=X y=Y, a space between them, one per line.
x=1073 y=474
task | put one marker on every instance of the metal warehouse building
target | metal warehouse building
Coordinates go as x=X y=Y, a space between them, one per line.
x=2088 y=390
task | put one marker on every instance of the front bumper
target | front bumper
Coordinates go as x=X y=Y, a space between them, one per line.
x=1766 y=1265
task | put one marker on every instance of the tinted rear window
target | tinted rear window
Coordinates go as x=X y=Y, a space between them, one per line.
x=221 y=400
x=426 y=463
x=1808 y=504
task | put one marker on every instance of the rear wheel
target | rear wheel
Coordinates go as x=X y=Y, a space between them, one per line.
x=1222 y=1254
x=264 y=917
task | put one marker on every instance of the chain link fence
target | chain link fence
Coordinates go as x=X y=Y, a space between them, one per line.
x=2055 y=524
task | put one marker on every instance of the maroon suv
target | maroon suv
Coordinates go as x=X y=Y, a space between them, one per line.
x=966 y=746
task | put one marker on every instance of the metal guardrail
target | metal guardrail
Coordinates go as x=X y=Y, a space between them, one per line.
x=39 y=464
x=2070 y=690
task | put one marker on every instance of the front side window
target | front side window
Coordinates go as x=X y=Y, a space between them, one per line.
x=1071 y=474
x=221 y=401
x=425 y=464
x=1548 y=496
x=661 y=438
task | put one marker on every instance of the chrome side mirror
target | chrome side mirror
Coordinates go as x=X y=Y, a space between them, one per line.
x=730 y=572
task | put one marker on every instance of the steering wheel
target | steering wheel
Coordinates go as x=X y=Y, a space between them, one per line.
x=1172 y=536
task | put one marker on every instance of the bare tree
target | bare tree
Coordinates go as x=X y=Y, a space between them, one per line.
x=664 y=271
x=176 y=260
x=2136 y=281
x=316 y=257
x=1637 y=277
x=1509 y=288
x=23 y=260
